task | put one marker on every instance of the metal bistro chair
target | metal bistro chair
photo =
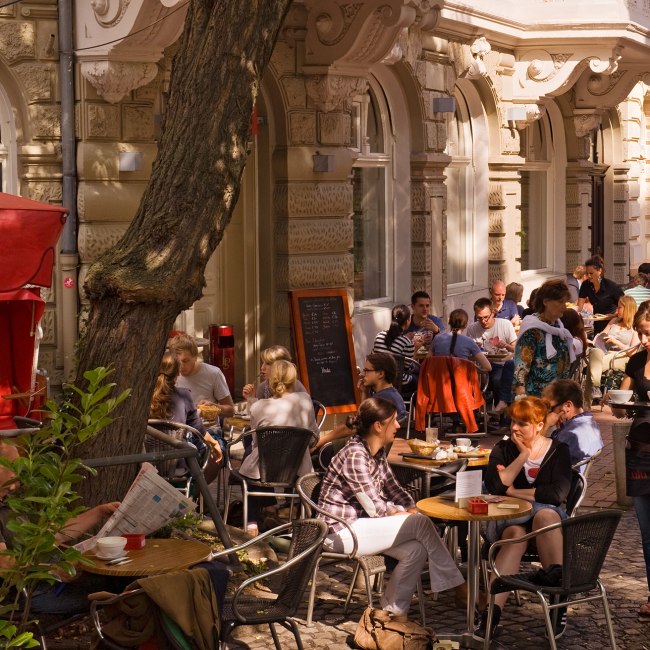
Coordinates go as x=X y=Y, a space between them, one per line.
x=281 y=450
x=585 y=541
x=307 y=537
x=320 y=413
x=175 y=471
x=308 y=487
x=587 y=463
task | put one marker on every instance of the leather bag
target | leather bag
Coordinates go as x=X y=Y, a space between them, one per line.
x=377 y=630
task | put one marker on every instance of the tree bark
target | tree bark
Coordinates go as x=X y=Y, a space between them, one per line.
x=137 y=288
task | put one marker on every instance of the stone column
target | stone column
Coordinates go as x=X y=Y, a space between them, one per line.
x=504 y=245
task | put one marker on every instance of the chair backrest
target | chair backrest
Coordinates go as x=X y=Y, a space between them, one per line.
x=281 y=450
x=586 y=540
x=166 y=468
x=308 y=488
x=320 y=412
x=441 y=478
x=325 y=455
x=577 y=492
x=307 y=537
x=399 y=376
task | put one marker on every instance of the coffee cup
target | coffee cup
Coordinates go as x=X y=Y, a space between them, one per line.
x=463 y=442
x=111 y=547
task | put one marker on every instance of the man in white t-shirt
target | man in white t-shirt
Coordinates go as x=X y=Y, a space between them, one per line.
x=495 y=335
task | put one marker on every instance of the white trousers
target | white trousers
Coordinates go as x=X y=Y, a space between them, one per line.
x=411 y=540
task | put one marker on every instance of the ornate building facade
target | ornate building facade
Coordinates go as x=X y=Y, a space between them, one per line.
x=399 y=145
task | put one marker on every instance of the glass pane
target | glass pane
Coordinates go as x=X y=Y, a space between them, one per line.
x=369 y=192
x=458 y=220
x=534 y=226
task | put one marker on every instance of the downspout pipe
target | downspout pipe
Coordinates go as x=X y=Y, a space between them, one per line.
x=69 y=257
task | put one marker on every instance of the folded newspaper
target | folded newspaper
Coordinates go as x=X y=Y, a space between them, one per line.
x=150 y=503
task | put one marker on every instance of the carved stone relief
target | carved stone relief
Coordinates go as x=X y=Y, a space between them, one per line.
x=45 y=121
x=109 y=12
x=302 y=128
x=309 y=271
x=495 y=222
x=586 y=121
x=138 y=122
x=421 y=228
x=330 y=92
x=297 y=236
x=95 y=239
x=36 y=79
x=312 y=199
x=294 y=90
x=17 y=41
x=48 y=324
x=102 y=121
x=421 y=259
x=334 y=129
x=115 y=79
x=46 y=192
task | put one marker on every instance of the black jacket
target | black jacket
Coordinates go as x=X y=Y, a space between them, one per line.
x=553 y=481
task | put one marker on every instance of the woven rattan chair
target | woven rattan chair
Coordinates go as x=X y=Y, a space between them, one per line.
x=281 y=450
x=372 y=566
x=307 y=537
x=585 y=541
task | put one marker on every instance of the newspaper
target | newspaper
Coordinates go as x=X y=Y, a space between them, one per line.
x=150 y=503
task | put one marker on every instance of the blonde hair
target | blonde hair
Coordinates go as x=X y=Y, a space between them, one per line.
x=161 y=400
x=282 y=377
x=275 y=353
x=183 y=343
x=629 y=309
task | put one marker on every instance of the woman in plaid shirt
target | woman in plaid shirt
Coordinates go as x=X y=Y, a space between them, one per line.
x=360 y=487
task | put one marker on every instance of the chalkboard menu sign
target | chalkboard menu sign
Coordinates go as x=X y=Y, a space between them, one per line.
x=324 y=350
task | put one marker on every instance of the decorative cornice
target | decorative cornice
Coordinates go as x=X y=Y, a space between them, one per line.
x=115 y=53
x=586 y=121
x=333 y=91
x=533 y=113
x=355 y=34
x=606 y=91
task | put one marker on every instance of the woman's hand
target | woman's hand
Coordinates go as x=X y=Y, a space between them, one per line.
x=516 y=437
x=248 y=391
x=215 y=448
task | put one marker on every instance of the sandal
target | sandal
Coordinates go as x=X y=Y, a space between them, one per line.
x=644 y=611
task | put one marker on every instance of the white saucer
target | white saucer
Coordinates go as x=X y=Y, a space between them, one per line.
x=101 y=556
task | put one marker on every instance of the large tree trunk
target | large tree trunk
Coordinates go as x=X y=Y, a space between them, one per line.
x=156 y=270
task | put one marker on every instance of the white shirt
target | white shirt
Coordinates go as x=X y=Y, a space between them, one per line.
x=207 y=383
x=502 y=328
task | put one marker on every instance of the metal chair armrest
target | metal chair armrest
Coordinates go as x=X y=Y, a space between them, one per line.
x=233 y=442
x=255 y=540
x=495 y=546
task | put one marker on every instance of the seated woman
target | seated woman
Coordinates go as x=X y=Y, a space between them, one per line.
x=268 y=357
x=455 y=343
x=172 y=403
x=572 y=321
x=376 y=379
x=360 y=487
x=618 y=335
x=533 y=467
x=396 y=340
x=286 y=408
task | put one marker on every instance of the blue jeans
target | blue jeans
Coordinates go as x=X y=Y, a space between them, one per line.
x=642 y=507
x=501 y=377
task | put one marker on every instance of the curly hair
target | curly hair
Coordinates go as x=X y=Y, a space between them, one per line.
x=161 y=400
x=282 y=377
x=529 y=409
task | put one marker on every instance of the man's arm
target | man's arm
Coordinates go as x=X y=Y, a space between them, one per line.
x=77 y=526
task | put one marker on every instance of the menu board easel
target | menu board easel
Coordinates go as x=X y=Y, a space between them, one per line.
x=322 y=335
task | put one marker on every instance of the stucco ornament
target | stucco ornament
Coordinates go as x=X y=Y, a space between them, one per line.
x=533 y=113
x=116 y=54
x=480 y=48
x=333 y=91
x=355 y=33
x=584 y=122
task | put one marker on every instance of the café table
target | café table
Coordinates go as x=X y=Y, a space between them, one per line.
x=158 y=556
x=447 y=510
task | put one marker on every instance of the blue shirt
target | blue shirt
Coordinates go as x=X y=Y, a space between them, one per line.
x=391 y=394
x=466 y=347
x=434 y=319
x=508 y=310
x=582 y=435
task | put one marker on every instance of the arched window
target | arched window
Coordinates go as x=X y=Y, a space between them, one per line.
x=8 y=175
x=536 y=205
x=372 y=198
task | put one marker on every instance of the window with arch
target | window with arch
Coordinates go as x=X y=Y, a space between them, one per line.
x=372 y=198
x=536 y=212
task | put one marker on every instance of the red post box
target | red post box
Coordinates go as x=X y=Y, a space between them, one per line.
x=222 y=352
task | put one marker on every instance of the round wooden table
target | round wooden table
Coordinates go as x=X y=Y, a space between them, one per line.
x=447 y=510
x=158 y=556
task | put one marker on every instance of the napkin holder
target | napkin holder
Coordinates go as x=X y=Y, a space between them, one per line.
x=477 y=506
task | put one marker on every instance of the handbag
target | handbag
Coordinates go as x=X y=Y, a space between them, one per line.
x=377 y=630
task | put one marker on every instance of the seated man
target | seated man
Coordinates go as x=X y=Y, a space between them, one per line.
x=495 y=335
x=421 y=320
x=376 y=379
x=503 y=307
x=639 y=288
x=575 y=427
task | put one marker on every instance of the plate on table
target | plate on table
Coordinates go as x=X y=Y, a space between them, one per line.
x=425 y=460
x=473 y=453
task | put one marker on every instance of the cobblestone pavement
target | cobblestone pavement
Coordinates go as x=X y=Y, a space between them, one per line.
x=623 y=576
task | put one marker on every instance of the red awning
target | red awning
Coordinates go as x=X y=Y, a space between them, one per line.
x=29 y=231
